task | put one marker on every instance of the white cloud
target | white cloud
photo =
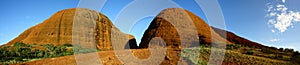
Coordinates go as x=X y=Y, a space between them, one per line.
x=274 y=40
x=273 y=13
x=280 y=17
x=273 y=31
x=280 y=7
x=271 y=21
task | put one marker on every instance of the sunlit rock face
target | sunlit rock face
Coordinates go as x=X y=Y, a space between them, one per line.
x=178 y=28
x=84 y=27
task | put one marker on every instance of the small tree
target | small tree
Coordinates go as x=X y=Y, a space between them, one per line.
x=51 y=49
x=59 y=50
x=296 y=57
x=288 y=50
x=17 y=51
x=281 y=49
x=2 y=55
x=4 y=52
x=25 y=52
x=40 y=54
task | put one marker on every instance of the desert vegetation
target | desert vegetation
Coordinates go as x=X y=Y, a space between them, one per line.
x=239 y=51
x=21 y=52
x=245 y=55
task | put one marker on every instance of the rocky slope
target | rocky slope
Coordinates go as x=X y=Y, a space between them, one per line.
x=83 y=26
x=179 y=28
x=237 y=39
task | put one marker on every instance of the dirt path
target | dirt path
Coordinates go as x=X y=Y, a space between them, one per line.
x=106 y=57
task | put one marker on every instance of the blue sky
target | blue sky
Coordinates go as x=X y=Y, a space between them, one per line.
x=246 y=18
x=19 y=15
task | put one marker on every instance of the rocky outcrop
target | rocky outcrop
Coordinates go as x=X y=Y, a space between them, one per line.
x=84 y=27
x=163 y=26
x=55 y=30
x=237 y=39
x=173 y=28
x=179 y=28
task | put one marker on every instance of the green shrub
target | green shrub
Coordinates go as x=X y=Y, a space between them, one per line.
x=249 y=52
x=279 y=56
x=19 y=44
x=40 y=54
x=21 y=52
x=67 y=45
x=296 y=57
x=268 y=51
x=233 y=46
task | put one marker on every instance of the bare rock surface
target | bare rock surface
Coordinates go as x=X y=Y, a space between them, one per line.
x=87 y=28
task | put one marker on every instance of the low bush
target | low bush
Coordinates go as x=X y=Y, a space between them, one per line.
x=249 y=52
x=21 y=52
